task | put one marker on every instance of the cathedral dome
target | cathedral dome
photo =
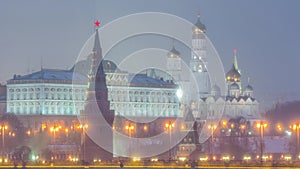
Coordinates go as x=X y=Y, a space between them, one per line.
x=233 y=75
x=249 y=88
x=234 y=86
x=199 y=27
x=215 y=90
x=248 y=91
x=173 y=53
x=109 y=66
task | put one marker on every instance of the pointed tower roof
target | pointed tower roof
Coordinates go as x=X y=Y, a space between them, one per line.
x=97 y=45
x=234 y=74
x=95 y=71
x=235 y=63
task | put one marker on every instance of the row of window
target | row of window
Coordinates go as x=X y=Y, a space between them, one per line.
x=153 y=99
x=47 y=89
x=143 y=106
x=49 y=96
x=148 y=114
x=47 y=110
x=52 y=103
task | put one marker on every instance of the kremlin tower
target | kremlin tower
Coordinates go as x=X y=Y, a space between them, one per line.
x=98 y=137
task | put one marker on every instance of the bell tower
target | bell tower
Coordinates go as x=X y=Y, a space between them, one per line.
x=198 y=62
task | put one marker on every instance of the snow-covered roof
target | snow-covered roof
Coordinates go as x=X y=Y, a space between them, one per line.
x=143 y=79
x=69 y=75
x=51 y=74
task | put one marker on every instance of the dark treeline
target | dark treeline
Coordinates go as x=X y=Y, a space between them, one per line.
x=284 y=114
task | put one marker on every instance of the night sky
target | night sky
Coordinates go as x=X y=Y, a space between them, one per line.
x=265 y=33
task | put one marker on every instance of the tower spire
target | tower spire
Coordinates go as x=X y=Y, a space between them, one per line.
x=235 y=63
x=96 y=61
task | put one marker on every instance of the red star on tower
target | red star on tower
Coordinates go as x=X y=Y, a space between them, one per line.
x=234 y=51
x=97 y=24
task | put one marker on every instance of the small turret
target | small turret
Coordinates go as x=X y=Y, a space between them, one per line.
x=215 y=90
x=248 y=90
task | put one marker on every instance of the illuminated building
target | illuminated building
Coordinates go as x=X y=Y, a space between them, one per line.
x=57 y=96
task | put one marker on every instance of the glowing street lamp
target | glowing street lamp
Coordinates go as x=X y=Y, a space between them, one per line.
x=83 y=128
x=129 y=128
x=296 y=128
x=212 y=127
x=261 y=126
x=243 y=127
x=54 y=129
x=169 y=125
x=11 y=134
x=224 y=124
x=279 y=127
x=67 y=132
x=3 y=127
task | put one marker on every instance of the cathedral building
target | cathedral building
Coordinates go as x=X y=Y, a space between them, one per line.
x=236 y=101
x=212 y=106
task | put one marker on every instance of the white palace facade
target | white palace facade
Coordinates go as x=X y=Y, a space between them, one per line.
x=63 y=92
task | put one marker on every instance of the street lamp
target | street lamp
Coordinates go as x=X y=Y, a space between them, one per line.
x=53 y=130
x=212 y=127
x=296 y=127
x=169 y=125
x=279 y=127
x=83 y=127
x=243 y=128
x=3 y=127
x=261 y=126
x=129 y=128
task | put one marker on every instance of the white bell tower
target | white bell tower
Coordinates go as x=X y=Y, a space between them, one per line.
x=198 y=62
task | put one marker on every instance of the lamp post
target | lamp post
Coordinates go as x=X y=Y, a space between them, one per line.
x=261 y=126
x=296 y=128
x=129 y=128
x=3 y=127
x=169 y=125
x=83 y=127
x=243 y=129
x=53 y=130
x=212 y=127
